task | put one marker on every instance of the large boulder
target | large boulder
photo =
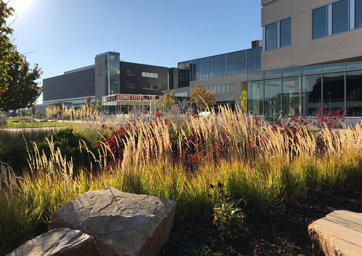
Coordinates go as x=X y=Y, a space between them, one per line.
x=121 y=223
x=58 y=242
x=337 y=234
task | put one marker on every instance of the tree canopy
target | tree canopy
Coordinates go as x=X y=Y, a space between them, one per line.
x=18 y=88
x=203 y=97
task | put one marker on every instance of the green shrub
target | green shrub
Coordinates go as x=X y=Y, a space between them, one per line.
x=71 y=145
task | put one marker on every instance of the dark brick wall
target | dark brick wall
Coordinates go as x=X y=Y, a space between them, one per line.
x=139 y=81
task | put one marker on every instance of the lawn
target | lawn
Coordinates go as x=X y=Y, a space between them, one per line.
x=23 y=123
x=227 y=161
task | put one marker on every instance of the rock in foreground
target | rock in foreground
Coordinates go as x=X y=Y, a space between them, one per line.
x=121 y=223
x=337 y=234
x=58 y=242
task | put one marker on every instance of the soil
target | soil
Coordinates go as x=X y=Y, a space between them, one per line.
x=284 y=229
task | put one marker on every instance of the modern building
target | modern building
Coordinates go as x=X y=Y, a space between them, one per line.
x=117 y=83
x=310 y=56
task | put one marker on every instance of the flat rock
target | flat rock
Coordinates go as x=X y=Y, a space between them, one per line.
x=58 y=242
x=337 y=234
x=121 y=223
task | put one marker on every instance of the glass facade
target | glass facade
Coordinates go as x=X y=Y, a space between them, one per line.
x=354 y=93
x=113 y=68
x=358 y=13
x=76 y=102
x=333 y=91
x=285 y=32
x=336 y=86
x=272 y=102
x=320 y=22
x=340 y=20
x=222 y=88
x=228 y=64
x=291 y=95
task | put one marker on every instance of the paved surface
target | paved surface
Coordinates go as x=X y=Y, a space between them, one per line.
x=339 y=233
x=31 y=129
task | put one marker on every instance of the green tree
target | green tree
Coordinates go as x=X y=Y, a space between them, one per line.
x=99 y=105
x=203 y=97
x=8 y=52
x=244 y=100
x=22 y=89
x=167 y=100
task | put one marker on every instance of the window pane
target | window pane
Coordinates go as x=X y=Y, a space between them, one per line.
x=340 y=16
x=308 y=70
x=333 y=67
x=271 y=36
x=333 y=91
x=320 y=22
x=272 y=101
x=227 y=88
x=358 y=13
x=354 y=65
x=285 y=32
x=291 y=71
x=232 y=88
x=291 y=94
x=255 y=97
x=311 y=94
x=354 y=93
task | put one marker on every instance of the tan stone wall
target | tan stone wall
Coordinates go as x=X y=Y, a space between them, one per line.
x=305 y=51
x=264 y=2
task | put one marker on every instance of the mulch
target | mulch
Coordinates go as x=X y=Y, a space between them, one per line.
x=284 y=229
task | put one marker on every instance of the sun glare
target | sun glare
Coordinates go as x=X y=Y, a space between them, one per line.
x=19 y=5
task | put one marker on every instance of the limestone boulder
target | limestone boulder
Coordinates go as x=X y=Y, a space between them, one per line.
x=58 y=242
x=121 y=223
x=337 y=234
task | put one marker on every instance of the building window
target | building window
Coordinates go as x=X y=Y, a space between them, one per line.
x=147 y=74
x=278 y=34
x=131 y=86
x=150 y=87
x=285 y=32
x=320 y=22
x=131 y=73
x=340 y=16
x=271 y=37
x=358 y=13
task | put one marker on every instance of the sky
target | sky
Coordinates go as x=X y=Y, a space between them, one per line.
x=62 y=35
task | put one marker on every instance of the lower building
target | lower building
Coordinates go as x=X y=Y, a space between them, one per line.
x=116 y=83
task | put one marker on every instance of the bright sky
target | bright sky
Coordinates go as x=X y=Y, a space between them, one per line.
x=68 y=34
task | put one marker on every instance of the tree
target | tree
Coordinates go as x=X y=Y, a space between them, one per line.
x=8 y=52
x=205 y=98
x=99 y=105
x=18 y=88
x=22 y=90
x=167 y=100
x=244 y=100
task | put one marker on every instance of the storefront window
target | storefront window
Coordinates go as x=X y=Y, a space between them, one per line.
x=272 y=102
x=354 y=93
x=333 y=91
x=255 y=97
x=291 y=94
x=311 y=94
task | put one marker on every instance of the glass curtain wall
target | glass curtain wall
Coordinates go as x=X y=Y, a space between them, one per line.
x=218 y=66
x=354 y=93
x=255 y=97
x=291 y=95
x=311 y=94
x=271 y=37
x=114 y=73
x=333 y=91
x=236 y=63
x=272 y=102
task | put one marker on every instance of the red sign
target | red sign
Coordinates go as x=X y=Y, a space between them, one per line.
x=129 y=97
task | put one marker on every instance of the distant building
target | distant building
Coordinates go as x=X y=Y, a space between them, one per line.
x=117 y=83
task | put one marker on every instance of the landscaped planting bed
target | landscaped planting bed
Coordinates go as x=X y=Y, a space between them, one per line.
x=242 y=187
